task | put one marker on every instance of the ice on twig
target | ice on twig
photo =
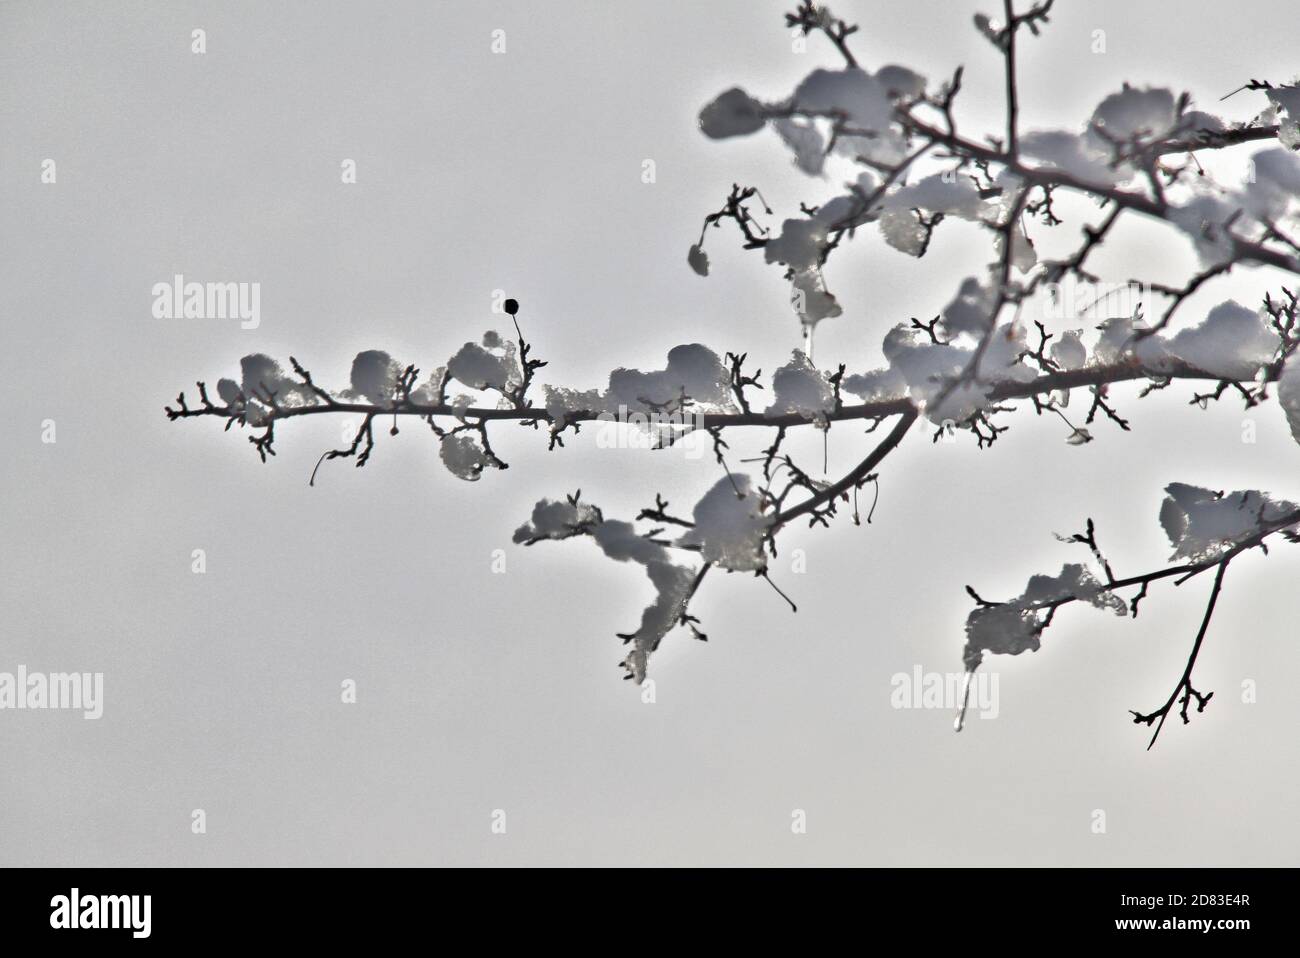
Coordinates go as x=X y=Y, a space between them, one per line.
x=1232 y=342
x=1202 y=524
x=729 y=526
x=493 y=365
x=374 y=377
x=1287 y=100
x=732 y=113
x=1009 y=628
x=1288 y=393
x=799 y=387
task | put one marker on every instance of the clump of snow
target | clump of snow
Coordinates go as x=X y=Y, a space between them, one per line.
x=672 y=587
x=1271 y=193
x=374 y=377
x=698 y=259
x=971 y=311
x=902 y=230
x=924 y=371
x=1287 y=100
x=492 y=365
x=1211 y=219
x=899 y=81
x=842 y=211
x=1119 y=343
x=1003 y=358
x=463 y=456
x=1016 y=626
x=732 y=113
x=947 y=193
x=692 y=369
x=1073 y=155
x=920 y=361
x=1204 y=218
x=805 y=141
x=1068 y=351
x=1133 y=113
x=693 y=372
x=672 y=583
x=261 y=374
x=562 y=402
x=799 y=245
x=811 y=300
x=730 y=527
x=956 y=404
x=865 y=102
x=1197 y=121
x=798 y=387
x=1012 y=186
x=848 y=209
x=229 y=392
x=926 y=368
x=460 y=405
x=431 y=390
x=878 y=385
x=886 y=149
x=694 y=381
x=1203 y=524
x=262 y=380
x=852 y=92
x=1004 y=629
x=993 y=30
x=558 y=520
x=1233 y=342
x=1074 y=580
x=619 y=541
x=1288 y=393
x=1023 y=255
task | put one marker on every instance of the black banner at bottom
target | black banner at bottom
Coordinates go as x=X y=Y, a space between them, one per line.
x=964 y=907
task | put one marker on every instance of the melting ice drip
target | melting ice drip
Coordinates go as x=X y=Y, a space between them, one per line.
x=960 y=721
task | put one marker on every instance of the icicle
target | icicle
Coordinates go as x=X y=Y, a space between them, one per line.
x=965 y=700
x=808 y=340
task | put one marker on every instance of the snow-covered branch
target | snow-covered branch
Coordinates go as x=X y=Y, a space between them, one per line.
x=1207 y=529
x=909 y=169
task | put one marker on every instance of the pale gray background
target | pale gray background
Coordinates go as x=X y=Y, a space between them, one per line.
x=479 y=691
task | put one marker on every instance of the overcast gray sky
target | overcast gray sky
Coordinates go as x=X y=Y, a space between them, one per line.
x=478 y=691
